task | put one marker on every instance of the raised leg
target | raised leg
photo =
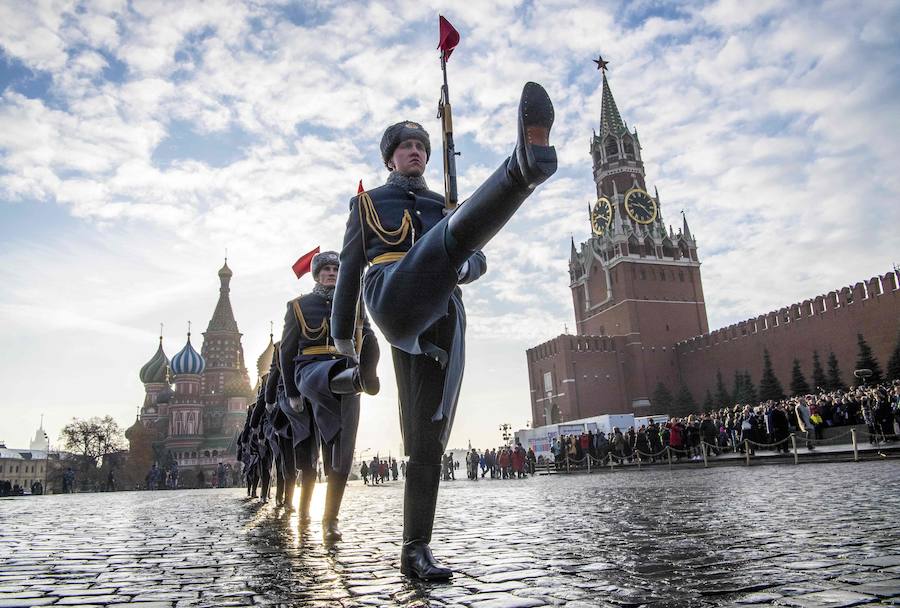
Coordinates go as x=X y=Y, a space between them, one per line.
x=484 y=213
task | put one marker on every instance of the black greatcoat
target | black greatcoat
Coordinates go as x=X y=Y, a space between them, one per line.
x=415 y=301
x=306 y=325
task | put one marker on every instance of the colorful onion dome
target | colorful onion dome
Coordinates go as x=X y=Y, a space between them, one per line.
x=154 y=370
x=188 y=361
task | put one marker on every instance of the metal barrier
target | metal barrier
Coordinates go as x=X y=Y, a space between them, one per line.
x=639 y=457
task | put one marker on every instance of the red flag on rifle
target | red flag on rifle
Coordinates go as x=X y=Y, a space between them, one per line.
x=360 y=190
x=304 y=264
x=449 y=38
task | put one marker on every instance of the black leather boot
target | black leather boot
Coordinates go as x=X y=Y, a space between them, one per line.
x=369 y=354
x=290 y=482
x=333 y=497
x=265 y=477
x=484 y=213
x=419 y=500
x=279 y=487
x=307 y=487
x=363 y=377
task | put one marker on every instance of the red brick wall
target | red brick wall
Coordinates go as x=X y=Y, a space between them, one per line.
x=825 y=323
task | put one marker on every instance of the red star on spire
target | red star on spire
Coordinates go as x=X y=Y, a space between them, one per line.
x=601 y=65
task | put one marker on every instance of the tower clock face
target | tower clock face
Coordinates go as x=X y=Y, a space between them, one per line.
x=640 y=206
x=601 y=216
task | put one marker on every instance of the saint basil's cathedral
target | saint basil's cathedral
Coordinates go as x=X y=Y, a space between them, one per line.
x=195 y=403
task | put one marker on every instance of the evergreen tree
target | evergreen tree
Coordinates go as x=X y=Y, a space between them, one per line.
x=752 y=398
x=866 y=360
x=769 y=386
x=708 y=403
x=834 y=374
x=738 y=394
x=684 y=400
x=722 y=399
x=799 y=386
x=893 y=366
x=662 y=399
x=818 y=377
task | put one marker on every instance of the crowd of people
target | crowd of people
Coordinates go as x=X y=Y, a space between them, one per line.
x=505 y=462
x=767 y=425
x=381 y=471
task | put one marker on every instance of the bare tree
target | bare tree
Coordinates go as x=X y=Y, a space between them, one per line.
x=93 y=438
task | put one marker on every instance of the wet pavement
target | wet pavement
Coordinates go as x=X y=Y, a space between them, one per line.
x=821 y=535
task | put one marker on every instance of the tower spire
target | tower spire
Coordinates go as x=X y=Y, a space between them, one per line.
x=223 y=316
x=685 y=230
x=610 y=119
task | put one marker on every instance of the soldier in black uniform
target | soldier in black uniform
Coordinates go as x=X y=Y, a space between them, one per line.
x=326 y=384
x=258 y=423
x=278 y=429
x=248 y=453
x=417 y=255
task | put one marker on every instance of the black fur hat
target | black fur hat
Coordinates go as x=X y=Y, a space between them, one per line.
x=323 y=259
x=400 y=132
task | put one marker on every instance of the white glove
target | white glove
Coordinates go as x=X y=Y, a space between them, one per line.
x=296 y=403
x=270 y=407
x=346 y=347
x=463 y=270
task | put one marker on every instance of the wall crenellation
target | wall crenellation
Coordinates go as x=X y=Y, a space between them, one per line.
x=571 y=343
x=863 y=291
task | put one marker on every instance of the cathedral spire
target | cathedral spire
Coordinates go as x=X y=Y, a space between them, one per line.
x=223 y=317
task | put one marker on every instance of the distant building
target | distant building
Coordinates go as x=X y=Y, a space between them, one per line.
x=40 y=442
x=640 y=313
x=23 y=467
x=196 y=423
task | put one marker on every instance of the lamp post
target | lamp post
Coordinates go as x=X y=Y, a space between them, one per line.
x=863 y=374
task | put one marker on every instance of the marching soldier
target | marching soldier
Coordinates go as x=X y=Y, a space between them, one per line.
x=278 y=430
x=322 y=387
x=248 y=453
x=417 y=255
x=259 y=420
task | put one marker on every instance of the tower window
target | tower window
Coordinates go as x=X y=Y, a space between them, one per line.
x=628 y=146
x=612 y=148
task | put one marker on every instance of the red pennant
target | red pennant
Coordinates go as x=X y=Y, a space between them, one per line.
x=304 y=264
x=360 y=190
x=449 y=38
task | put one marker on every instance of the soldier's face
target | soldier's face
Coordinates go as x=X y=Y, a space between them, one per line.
x=328 y=275
x=409 y=158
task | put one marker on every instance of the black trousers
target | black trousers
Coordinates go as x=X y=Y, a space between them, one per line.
x=420 y=386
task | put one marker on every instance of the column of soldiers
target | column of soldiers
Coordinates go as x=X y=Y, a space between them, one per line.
x=403 y=258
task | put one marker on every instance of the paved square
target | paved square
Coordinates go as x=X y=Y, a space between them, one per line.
x=817 y=535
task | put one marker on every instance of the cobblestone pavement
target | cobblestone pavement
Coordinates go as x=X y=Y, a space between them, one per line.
x=813 y=536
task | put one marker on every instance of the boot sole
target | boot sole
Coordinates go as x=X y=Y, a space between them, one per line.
x=409 y=572
x=537 y=109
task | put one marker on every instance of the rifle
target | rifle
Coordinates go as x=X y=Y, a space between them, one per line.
x=451 y=197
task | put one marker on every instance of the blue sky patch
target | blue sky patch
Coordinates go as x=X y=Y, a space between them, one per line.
x=217 y=149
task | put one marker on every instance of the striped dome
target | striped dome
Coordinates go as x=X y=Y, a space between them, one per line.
x=188 y=361
x=154 y=370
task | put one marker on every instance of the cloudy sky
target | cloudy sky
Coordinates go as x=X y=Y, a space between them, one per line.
x=139 y=140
